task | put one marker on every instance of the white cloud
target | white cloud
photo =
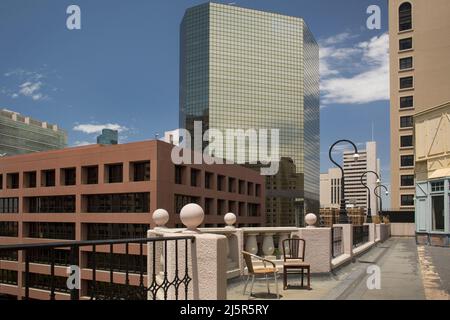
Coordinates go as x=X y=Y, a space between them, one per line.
x=29 y=84
x=97 y=128
x=368 y=78
x=29 y=88
x=338 y=38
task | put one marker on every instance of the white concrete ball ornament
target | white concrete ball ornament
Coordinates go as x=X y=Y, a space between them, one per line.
x=311 y=220
x=230 y=219
x=192 y=216
x=160 y=217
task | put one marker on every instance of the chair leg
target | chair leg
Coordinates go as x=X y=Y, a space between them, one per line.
x=251 y=285
x=284 y=279
x=276 y=284
x=246 y=283
x=309 y=278
x=267 y=282
x=302 y=277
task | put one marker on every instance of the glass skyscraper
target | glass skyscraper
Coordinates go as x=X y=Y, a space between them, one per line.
x=20 y=134
x=248 y=69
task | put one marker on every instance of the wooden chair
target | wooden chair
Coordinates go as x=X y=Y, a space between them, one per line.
x=294 y=260
x=264 y=271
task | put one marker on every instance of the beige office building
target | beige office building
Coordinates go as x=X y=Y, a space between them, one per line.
x=355 y=192
x=419 y=80
x=330 y=188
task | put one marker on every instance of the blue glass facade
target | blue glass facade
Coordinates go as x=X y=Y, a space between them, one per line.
x=248 y=69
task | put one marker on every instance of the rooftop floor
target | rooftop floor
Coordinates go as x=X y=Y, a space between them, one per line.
x=408 y=272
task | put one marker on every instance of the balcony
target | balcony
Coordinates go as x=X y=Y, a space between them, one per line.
x=175 y=263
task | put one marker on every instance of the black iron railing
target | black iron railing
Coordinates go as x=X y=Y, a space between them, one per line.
x=159 y=284
x=336 y=241
x=360 y=235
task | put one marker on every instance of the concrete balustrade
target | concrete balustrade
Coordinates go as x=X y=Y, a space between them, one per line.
x=216 y=253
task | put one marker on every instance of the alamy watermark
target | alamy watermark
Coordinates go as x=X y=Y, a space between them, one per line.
x=374 y=280
x=74 y=278
x=374 y=20
x=73 y=21
x=238 y=146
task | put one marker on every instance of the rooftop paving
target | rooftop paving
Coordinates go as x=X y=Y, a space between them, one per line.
x=401 y=278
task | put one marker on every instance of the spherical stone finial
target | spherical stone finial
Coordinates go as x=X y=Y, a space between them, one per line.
x=310 y=220
x=192 y=216
x=160 y=217
x=230 y=219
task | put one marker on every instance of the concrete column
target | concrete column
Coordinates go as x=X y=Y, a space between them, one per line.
x=318 y=248
x=207 y=264
x=126 y=172
x=377 y=232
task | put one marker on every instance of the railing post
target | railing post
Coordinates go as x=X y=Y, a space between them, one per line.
x=27 y=274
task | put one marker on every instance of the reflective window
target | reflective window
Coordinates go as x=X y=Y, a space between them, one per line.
x=406 y=141
x=406 y=82
x=407 y=102
x=406 y=63
x=406 y=122
x=407 y=200
x=405 y=16
x=437 y=186
x=407 y=161
x=405 y=44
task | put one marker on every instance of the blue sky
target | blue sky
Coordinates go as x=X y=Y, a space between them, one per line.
x=121 y=69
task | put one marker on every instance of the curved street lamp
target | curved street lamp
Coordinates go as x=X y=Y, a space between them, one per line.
x=379 y=197
x=343 y=218
x=369 y=210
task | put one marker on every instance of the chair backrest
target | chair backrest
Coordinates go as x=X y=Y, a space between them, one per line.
x=248 y=261
x=296 y=249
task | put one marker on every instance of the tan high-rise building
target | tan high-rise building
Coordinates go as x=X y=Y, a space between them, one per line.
x=419 y=80
x=330 y=188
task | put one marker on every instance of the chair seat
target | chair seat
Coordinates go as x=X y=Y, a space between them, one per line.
x=264 y=270
x=296 y=263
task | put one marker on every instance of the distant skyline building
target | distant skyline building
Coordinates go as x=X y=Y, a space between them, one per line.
x=330 y=188
x=172 y=137
x=247 y=69
x=106 y=192
x=108 y=136
x=21 y=134
x=419 y=81
x=355 y=192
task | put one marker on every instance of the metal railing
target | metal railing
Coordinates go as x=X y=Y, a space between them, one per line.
x=158 y=285
x=336 y=241
x=360 y=235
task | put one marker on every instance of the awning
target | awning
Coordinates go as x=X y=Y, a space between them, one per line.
x=440 y=173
